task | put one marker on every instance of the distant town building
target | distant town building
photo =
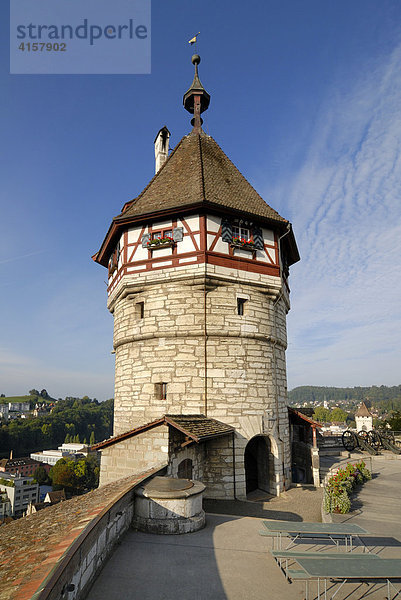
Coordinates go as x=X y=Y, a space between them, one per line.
x=50 y=499
x=5 y=506
x=83 y=448
x=24 y=466
x=20 y=407
x=70 y=451
x=4 y=411
x=55 y=497
x=363 y=418
x=20 y=491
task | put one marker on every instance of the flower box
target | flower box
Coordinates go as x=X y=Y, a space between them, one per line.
x=243 y=244
x=156 y=243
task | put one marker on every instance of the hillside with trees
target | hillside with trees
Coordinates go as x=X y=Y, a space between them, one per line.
x=382 y=397
x=73 y=419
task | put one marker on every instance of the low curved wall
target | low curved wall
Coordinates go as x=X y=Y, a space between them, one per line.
x=57 y=552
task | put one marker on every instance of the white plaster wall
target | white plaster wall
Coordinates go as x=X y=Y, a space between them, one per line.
x=213 y=223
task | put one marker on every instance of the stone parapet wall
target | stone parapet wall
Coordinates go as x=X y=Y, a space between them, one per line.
x=56 y=553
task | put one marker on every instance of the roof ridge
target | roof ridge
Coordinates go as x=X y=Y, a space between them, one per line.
x=202 y=173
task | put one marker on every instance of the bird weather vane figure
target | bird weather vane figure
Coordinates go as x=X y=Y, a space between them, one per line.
x=194 y=40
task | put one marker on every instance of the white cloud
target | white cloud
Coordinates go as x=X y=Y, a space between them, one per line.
x=345 y=205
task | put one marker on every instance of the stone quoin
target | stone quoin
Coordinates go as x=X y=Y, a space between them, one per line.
x=198 y=286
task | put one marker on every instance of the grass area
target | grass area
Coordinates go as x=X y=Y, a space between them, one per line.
x=27 y=398
x=17 y=399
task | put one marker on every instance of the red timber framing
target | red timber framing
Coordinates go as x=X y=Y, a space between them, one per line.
x=200 y=254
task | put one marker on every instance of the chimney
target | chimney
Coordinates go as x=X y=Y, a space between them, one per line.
x=161 y=147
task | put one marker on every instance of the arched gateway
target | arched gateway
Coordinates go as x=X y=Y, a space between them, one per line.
x=259 y=465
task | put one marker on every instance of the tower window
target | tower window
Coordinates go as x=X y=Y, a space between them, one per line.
x=161 y=391
x=140 y=310
x=242 y=306
x=165 y=233
x=242 y=233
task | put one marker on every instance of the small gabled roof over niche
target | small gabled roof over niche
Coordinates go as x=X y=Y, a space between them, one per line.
x=198 y=428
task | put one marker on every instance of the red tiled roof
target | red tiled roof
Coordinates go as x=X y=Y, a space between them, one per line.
x=304 y=417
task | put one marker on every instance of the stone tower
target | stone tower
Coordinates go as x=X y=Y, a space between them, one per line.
x=363 y=418
x=198 y=285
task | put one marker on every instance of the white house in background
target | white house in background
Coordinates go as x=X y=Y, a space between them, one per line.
x=20 y=407
x=83 y=448
x=5 y=506
x=4 y=411
x=363 y=418
x=21 y=491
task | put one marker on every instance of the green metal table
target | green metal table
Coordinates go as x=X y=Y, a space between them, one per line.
x=283 y=556
x=298 y=530
x=341 y=570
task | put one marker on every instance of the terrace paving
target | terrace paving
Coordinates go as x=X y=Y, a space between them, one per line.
x=228 y=560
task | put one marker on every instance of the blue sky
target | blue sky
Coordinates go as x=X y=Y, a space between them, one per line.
x=306 y=101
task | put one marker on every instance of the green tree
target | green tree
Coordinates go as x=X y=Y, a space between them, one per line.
x=33 y=392
x=321 y=414
x=40 y=476
x=395 y=421
x=92 y=439
x=47 y=431
x=62 y=475
x=337 y=414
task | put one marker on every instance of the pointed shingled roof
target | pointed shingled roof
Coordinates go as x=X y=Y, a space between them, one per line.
x=197 y=175
x=363 y=411
x=198 y=171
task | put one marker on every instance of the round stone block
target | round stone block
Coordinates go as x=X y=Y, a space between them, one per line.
x=167 y=505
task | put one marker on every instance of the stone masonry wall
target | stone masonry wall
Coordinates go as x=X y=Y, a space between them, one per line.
x=212 y=464
x=244 y=371
x=148 y=449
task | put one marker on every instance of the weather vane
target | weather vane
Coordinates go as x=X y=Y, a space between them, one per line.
x=194 y=40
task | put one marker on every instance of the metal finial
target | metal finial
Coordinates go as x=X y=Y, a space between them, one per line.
x=196 y=99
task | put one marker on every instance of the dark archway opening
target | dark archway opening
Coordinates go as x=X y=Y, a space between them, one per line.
x=258 y=468
x=185 y=469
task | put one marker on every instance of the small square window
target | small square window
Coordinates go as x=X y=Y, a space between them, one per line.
x=161 y=391
x=140 y=310
x=242 y=306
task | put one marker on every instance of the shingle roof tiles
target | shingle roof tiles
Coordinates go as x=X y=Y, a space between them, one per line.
x=198 y=171
x=199 y=426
